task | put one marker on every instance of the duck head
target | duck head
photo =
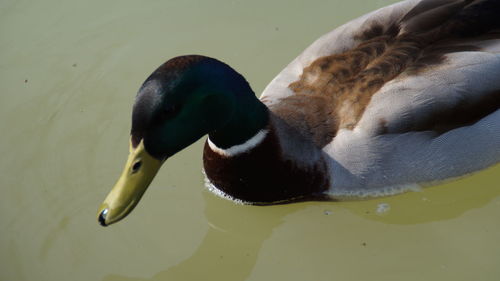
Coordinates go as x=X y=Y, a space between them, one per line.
x=184 y=99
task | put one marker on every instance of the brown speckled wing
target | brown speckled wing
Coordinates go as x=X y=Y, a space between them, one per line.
x=333 y=91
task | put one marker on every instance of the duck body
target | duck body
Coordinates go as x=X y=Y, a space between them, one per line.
x=403 y=96
x=406 y=95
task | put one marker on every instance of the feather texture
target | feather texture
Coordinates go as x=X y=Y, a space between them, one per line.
x=407 y=94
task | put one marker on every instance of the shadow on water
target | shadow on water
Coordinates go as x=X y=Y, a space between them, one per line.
x=231 y=246
x=436 y=203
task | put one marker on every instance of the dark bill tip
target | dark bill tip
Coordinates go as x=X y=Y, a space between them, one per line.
x=102 y=217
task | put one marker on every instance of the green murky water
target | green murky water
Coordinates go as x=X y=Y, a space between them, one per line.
x=68 y=73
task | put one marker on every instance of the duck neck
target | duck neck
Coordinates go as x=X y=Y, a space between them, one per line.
x=246 y=124
x=274 y=166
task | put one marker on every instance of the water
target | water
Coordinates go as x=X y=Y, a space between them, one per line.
x=68 y=74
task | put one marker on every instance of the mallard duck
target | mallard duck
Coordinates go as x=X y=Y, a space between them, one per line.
x=403 y=96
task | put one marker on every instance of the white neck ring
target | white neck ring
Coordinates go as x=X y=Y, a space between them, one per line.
x=240 y=148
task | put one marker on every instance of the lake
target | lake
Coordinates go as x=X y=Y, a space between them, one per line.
x=69 y=71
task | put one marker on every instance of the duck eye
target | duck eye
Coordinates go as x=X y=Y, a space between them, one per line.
x=137 y=165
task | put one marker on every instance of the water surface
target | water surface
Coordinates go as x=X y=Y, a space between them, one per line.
x=68 y=73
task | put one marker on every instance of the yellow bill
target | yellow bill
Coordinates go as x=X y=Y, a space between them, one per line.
x=138 y=173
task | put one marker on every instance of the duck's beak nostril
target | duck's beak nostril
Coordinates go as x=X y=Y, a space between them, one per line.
x=102 y=217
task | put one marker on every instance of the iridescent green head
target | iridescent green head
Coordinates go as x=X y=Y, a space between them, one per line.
x=184 y=99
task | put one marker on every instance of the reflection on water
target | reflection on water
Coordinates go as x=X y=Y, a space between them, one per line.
x=231 y=245
x=443 y=202
x=246 y=228
x=68 y=73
